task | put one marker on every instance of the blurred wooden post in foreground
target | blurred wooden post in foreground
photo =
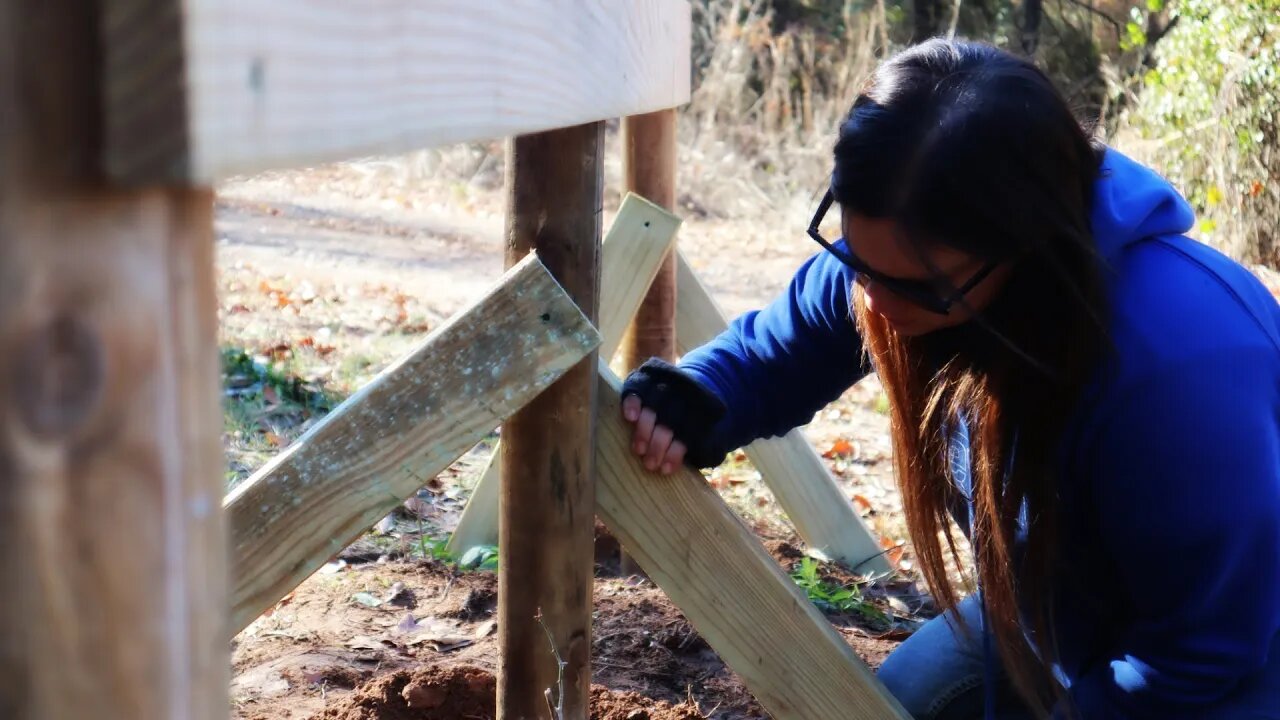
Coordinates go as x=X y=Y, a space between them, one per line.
x=114 y=591
x=649 y=170
x=555 y=186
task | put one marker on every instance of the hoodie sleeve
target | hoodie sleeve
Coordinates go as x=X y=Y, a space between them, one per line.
x=1188 y=495
x=774 y=368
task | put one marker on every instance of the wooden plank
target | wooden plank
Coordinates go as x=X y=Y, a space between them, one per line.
x=712 y=567
x=631 y=254
x=824 y=518
x=114 y=592
x=201 y=89
x=649 y=169
x=546 y=527
x=406 y=425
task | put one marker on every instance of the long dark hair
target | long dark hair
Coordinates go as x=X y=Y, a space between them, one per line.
x=962 y=144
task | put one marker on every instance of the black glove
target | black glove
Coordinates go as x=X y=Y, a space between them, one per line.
x=681 y=404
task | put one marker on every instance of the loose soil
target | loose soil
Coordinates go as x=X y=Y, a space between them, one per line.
x=429 y=650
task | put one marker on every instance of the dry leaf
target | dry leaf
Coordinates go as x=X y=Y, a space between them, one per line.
x=364 y=642
x=838 y=448
x=400 y=596
x=275 y=440
x=895 y=551
x=486 y=628
x=862 y=502
x=441 y=643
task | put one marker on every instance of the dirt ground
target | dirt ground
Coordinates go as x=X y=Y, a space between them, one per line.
x=328 y=275
x=328 y=651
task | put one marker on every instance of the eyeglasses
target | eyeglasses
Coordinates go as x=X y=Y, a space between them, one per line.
x=924 y=293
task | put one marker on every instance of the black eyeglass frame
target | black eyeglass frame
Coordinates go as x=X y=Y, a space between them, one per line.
x=918 y=292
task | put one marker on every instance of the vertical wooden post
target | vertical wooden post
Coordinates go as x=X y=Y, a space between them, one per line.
x=649 y=170
x=113 y=600
x=545 y=563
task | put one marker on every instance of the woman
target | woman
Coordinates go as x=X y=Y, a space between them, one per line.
x=1091 y=396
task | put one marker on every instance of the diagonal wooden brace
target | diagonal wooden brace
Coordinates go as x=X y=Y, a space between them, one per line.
x=824 y=518
x=406 y=425
x=715 y=570
x=641 y=235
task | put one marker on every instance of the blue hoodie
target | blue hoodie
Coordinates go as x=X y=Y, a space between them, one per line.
x=1170 y=599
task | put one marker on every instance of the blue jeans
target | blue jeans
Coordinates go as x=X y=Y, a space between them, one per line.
x=937 y=674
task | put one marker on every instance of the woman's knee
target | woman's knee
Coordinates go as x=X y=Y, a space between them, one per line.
x=937 y=673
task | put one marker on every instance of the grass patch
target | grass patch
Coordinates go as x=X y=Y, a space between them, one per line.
x=833 y=597
x=266 y=405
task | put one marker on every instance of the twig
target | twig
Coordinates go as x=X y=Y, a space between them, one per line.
x=557 y=709
x=955 y=20
x=606 y=663
x=1098 y=13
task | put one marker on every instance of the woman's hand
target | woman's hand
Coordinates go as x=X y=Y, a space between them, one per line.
x=672 y=417
x=655 y=444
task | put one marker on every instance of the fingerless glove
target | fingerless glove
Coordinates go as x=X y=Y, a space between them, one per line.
x=680 y=403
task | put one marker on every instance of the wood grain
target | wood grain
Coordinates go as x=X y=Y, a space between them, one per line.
x=715 y=570
x=632 y=251
x=199 y=90
x=823 y=516
x=114 y=593
x=409 y=423
x=555 y=192
x=649 y=170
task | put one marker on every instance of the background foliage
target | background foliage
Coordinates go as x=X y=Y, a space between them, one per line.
x=1189 y=86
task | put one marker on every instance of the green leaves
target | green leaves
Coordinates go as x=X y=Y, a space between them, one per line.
x=1209 y=110
x=480 y=557
x=832 y=597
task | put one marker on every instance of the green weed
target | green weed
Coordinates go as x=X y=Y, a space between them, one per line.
x=831 y=597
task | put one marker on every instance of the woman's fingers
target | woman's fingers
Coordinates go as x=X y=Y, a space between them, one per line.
x=655 y=444
x=674 y=458
x=631 y=408
x=644 y=431
x=658 y=446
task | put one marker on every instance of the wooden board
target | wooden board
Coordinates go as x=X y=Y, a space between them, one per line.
x=114 y=592
x=715 y=570
x=637 y=241
x=409 y=423
x=823 y=517
x=198 y=90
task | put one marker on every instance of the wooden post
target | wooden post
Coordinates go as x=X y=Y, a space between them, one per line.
x=114 y=591
x=649 y=170
x=545 y=562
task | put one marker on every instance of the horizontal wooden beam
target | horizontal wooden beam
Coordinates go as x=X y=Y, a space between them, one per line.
x=824 y=518
x=640 y=236
x=714 y=569
x=197 y=90
x=405 y=426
